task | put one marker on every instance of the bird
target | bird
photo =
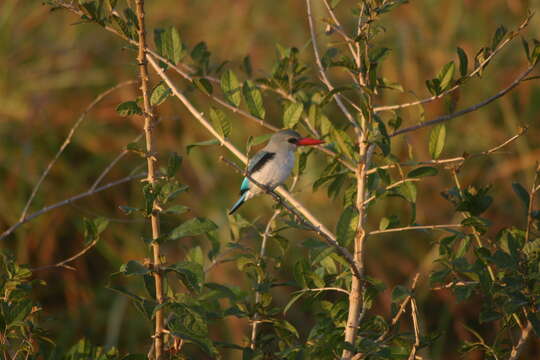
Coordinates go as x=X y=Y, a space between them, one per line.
x=272 y=165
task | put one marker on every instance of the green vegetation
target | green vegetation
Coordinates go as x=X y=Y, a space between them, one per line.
x=414 y=232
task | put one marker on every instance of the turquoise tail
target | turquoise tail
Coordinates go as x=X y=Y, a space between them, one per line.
x=238 y=204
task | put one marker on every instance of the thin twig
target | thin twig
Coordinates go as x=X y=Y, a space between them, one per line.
x=390 y=187
x=521 y=132
x=474 y=72
x=266 y=234
x=63 y=263
x=324 y=289
x=68 y=201
x=414 y=315
x=67 y=141
x=324 y=78
x=419 y=227
x=456 y=114
x=301 y=218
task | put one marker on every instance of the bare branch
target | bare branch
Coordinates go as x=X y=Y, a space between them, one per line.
x=68 y=201
x=67 y=141
x=420 y=227
x=521 y=132
x=324 y=289
x=473 y=73
x=456 y=114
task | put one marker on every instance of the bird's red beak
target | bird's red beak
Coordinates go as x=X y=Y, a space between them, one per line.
x=308 y=141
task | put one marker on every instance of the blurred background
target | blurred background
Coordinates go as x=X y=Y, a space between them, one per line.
x=51 y=68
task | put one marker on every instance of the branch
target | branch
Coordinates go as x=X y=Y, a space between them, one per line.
x=67 y=141
x=390 y=187
x=414 y=315
x=521 y=132
x=324 y=289
x=151 y=163
x=255 y=322
x=324 y=78
x=456 y=114
x=475 y=71
x=518 y=348
x=68 y=201
x=62 y=264
x=420 y=227
x=330 y=240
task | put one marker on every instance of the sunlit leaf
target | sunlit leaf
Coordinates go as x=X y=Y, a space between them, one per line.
x=254 y=100
x=231 y=88
x=437 y=139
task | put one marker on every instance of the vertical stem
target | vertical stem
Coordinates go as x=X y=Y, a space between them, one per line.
x=355 y=296
x=262 y=253
x=151 y=164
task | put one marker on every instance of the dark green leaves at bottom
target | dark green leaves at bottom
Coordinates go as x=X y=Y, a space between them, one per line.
x=191 y=326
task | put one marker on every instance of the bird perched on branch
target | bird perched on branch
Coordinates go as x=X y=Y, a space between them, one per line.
x=273 y=164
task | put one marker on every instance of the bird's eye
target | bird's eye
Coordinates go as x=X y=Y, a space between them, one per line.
x=293 y=140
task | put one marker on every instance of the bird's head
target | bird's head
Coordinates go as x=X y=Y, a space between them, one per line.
x=291 y=140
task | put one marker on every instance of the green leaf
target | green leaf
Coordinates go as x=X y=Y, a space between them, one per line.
x=488 y=315
x=522 y=193
x=346 y=227
x=176 y=209
x=220 y=122
x=92 y=228
x=292 y=301
x=204 y=85
x=192 y=227
x=437 y=139
x=160 y=93
x=384 y=223
x=408 y=191
x=422 y=172
x=169 y=44
x=463 y=62
x=498 y=36
x=128 y=108
x=446 y=75
x=190 y=325
x=134 y=268
x=399 y=293
x=254 y=99
x=173 y=164
x=201 y=143
x=191 y=274
x=292 y=113
x=231 y=88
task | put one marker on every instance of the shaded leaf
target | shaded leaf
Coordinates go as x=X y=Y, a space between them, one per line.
x=422 y=172
x=192 y=227
x=160 y=93
x=128 y=108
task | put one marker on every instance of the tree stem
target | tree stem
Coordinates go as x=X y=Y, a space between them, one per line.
x=151 y=164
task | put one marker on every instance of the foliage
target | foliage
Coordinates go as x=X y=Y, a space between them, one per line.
x=493 y=268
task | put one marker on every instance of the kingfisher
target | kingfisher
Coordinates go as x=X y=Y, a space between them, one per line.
x=273 y=164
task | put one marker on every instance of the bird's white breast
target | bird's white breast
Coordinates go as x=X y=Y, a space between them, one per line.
x=275 y=172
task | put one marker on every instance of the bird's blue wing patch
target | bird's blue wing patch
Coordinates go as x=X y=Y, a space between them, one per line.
x=245 y=186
